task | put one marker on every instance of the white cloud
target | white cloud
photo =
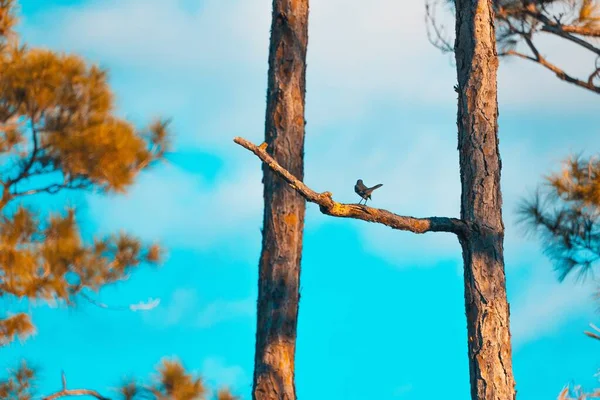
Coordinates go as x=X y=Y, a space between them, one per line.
x=355 y=51
x=545 y=305
x=216 y=372
x=402 y=391
x=222 y=310
x=177 y=208
x=359 y=57
x=155 y=34
x=182 y=302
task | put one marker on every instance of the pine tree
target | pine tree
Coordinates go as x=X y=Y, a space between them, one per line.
x=171 y=382
x=283 y=222
x=519 y=23
x=59 y=132
x=480 y=230
x=565 y=213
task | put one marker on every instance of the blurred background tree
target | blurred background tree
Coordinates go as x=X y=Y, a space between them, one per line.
x=59 y=132
x=564 y=212
x=520 y=24
x=577 y=392
x=171 y=382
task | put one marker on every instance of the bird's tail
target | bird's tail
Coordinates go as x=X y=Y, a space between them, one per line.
x=376 y=187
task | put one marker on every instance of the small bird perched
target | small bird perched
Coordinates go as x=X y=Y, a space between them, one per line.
x=363 y=191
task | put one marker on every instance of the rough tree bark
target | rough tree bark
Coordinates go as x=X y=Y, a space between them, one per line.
x=480 y=229
x=279 y=268
x=487 y=307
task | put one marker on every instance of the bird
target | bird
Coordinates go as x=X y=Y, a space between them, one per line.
x=364 y=191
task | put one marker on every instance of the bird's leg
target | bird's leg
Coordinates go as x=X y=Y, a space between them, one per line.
x=361 y=199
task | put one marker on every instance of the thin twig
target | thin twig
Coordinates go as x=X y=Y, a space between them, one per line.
x=592 y=334
x=141 y=306
x=581 y=30
x=436 y=38
x=559 y=30
x=532 y=20
x=561 y=74
x=52 y=189
x=24 y=173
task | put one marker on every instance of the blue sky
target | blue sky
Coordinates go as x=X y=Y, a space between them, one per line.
x=382 y=313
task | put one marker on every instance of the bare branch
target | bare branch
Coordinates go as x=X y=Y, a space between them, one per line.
x=593 y=335
x=330 y=207
x=581 y=30
x=565 y=31
x=51 y=189
x=436 y=37
x=524 y=21
x=517 y=54
x=595 y=74
x=555 y=28
x=73 y=392
x=32 y=158
x=561 y=74
x=559 y=30
x=533 y=49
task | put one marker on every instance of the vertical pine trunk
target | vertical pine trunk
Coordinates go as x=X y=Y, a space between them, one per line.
x=279 y=267
x=487 y=308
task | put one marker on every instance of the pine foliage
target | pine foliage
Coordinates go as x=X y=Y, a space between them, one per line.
x=59 y=131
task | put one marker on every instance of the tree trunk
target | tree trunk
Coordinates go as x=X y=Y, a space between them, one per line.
x=487 y=308
x=279 y=269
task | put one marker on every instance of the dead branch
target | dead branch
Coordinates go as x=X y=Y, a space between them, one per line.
x=532 y=21
x=593 y=335
x=435 y=31
x=557 y=29
x=330 y=207
x=51 y=189
x=560 y=73
x=73 y=392
x=581 y=30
